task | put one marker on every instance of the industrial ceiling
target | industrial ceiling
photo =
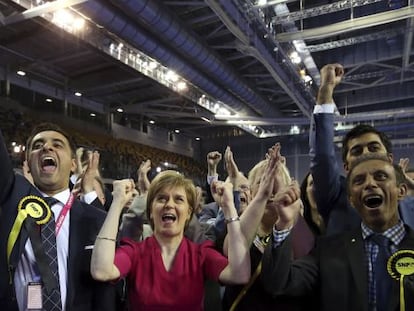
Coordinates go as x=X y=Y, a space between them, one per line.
x=212 y=68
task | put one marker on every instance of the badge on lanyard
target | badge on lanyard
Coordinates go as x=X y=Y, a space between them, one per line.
x=34 y=296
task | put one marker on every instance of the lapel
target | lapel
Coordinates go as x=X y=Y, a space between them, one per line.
x=75 y=246
x=406 y=243
x=356 y=257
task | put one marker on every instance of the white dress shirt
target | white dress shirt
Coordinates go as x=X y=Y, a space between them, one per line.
x=27 y=270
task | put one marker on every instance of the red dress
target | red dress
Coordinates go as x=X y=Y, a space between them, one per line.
x=152 y=288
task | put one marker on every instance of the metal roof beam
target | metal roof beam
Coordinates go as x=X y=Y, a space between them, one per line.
x=40 y=10
x=347 y=26
x=320 y=10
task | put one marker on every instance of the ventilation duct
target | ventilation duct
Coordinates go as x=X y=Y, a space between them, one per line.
x=142 y=40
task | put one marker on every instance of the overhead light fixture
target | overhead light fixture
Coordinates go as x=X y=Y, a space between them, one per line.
x=197 y=138
x=295 y=58
x=120 y=110
x=92 y=114
x=205 y=119
x=294 y=130
x=151 y=121
x=181 y=86
x=21 y=73
x=49 y=100
x=177 y=131
x=171 y=76
x=265 y=3
x=78 y=94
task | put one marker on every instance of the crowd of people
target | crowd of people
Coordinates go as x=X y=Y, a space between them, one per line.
x=260 y=241
x=119 y=157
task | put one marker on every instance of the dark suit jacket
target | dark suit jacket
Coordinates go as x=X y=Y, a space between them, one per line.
x=335 y=271
x=256 y=298
x=330 y=186
x=83 y=293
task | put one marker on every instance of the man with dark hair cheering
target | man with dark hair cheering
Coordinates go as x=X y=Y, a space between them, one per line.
x=46 y=234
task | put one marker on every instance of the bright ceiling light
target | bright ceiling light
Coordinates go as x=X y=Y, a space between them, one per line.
x=120 y=110
x=197 y=138
x=181 y=86
x=79 y=94
x=295 y=58
x=49 y=100
x=21 y=73
x=307 y=78
x=294 y=129
x=172 y=76
x=177 y=131
x=205 y=119
x=78 y=23
x=62 y=18
x=92 y=114
x=151 y=121
x=223 y=111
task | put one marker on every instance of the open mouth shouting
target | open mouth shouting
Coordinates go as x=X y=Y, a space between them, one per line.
x=373 y=201
x=168 y=218
x=48 y=164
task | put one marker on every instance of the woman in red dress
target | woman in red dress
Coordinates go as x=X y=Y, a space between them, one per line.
x=167 y=271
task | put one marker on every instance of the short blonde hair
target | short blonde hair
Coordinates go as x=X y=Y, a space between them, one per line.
x=257 y=171
x=171 y=179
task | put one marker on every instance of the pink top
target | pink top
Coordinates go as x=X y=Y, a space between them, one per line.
x=152 y=288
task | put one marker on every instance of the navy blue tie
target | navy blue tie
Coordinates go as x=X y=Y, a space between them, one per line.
x=382 y=278
x=51 y=300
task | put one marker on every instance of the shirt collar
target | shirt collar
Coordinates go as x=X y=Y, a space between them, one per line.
x=62 y=196
x=395 y=233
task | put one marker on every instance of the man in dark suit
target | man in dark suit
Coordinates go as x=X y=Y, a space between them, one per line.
x=328 y=182
x=342 y=271
x=50 y=158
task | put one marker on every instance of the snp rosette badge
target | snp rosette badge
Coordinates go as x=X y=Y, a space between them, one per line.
x=30 y=206
x=36 y=208
x=400 y=265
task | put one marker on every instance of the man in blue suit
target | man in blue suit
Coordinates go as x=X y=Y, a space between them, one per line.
x=329 y=184
x=348 y=271
x=50 y=156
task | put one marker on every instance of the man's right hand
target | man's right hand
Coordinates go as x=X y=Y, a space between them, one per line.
x=213 y=159
x=331 y=76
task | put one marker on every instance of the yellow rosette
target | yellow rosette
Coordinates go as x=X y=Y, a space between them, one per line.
x=399 y=265
x=29 y=206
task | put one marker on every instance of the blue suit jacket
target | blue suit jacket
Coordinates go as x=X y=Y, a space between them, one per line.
x=330 y=186
x=335 y=272
x=83 y=293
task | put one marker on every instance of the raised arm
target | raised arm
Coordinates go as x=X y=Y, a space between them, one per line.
x=237 y=178
x=143 y=181
x=324 y=166
x=213 y=159
x=103 y=254
x=404 y=163
x=251 y=217
x=238 y=269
